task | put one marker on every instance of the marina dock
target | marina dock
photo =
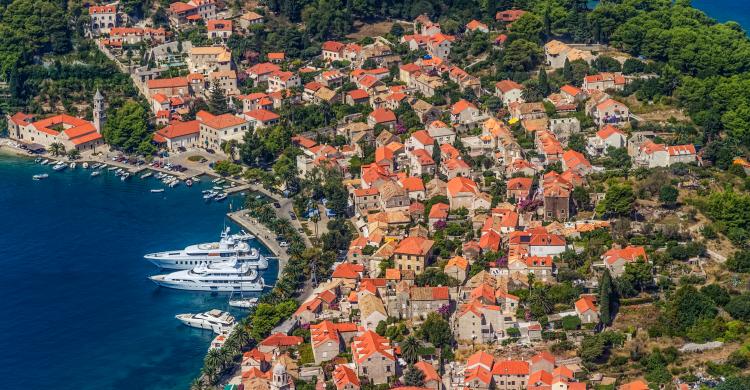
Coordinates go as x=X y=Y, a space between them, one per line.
x=262 y=234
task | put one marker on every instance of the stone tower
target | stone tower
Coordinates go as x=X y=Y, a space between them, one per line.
x=280 y=378
x=99 y=111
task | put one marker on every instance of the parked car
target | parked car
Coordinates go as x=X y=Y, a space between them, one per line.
x=283 y=244
x=292 y=216
x=277 y=205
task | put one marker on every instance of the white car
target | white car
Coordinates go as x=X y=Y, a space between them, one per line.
x=283 y=244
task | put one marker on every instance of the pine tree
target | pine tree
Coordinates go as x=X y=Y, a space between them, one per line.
x=217 y=102
x=567 y=72
x=605 y=297
x=436 y=153
x=543 y=82
x=413 y=377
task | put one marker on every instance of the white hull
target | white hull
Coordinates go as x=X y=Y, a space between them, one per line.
x=259 y=262
x=198 y=286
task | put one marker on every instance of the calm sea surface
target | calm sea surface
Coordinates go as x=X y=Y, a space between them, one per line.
x=726 y=10
x=78 y=311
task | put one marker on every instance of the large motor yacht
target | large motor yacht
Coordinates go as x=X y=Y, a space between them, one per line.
x=227 y=276
x=216 y=320
x=229 y=246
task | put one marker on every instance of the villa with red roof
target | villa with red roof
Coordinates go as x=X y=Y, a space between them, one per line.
x=103 y=18
x=577 y=162
x=374 y=357
x=605 y=81
x=382 y=116
x=214 y=129
x=509 y=92
x=510 y=374
x=587 y=310
x=260 y=118
x=279 y=342
x=328 y=339
x=413 y=253
x=616 y=259
x=479 y=322
x=608 y=137
x=476 y=25
x=653 y=155
x=519 y=188
x=219 y=29
x=179 y=134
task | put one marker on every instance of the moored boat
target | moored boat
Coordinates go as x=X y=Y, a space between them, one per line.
x=96 y=173
x=157 y=190
x=40 y=176
x=147 y=174
x=230 y=246
x=226 y=276
x=215 y=320
x=244 y=303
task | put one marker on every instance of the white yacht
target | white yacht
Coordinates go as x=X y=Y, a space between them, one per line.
x=244 y=303
x=226 y=276
x=229 y=246
x=215 y=320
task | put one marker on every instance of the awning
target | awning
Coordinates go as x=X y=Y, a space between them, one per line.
x=36 y=148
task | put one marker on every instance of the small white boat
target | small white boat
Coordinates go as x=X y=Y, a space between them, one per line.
x=85 y=165
x=173 y=183
x=59 y=166
x=40 y=176
x=244 y=303
x=157 y=190
x=189 y=183
x=72 y=165
x=124 y=176
x=44 y=162
x=221 y=197
x=215 y=320
x=38 y=160
x=209 y=195
x=215 y=180
x=147 y=174
x=96 y=173
x=218 y=188
x=112 y=168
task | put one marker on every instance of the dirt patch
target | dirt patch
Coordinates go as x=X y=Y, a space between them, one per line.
x=636 y=316
x=371 y=29
x=656 y=112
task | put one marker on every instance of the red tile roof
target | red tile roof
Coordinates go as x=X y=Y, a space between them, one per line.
x=262 y=115
x=511 y=367
x=343 y=376
x=383 y=115
x=417 y=246
x=219 y=121
x=179 y=129
x=281 y=340
x=369 y=343
x=348 y=271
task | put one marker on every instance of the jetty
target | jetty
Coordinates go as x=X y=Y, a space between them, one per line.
x=262 y=234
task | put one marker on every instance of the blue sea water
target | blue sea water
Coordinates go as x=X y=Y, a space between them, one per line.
x=78 y=311
x=726 y=10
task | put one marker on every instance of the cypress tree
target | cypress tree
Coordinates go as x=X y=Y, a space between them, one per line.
x=436 y=153
x=567 y=72
x=605 y=297
x=543 y=82
x=217 y=102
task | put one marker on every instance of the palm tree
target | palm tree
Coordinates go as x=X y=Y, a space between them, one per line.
x=242 y=335
x=210 y=372
x=56 y=148
x=410 y=350
x=196 y=384
x=214 y=359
